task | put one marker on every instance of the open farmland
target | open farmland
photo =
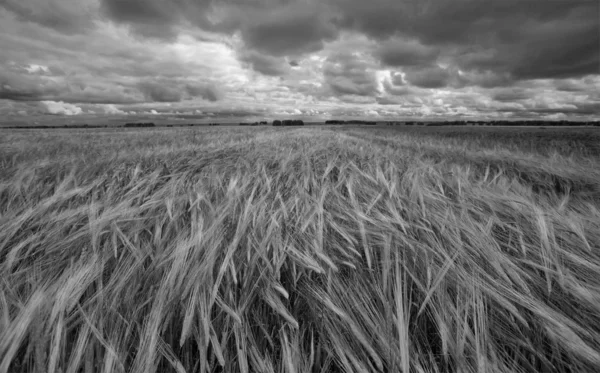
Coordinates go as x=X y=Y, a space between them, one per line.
x=316 y=249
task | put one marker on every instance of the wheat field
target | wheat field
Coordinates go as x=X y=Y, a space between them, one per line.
x=314 y=249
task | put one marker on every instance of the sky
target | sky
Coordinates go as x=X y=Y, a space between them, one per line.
x=235 y=60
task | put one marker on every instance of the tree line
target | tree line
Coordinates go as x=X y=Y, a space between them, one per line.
x=287 y=122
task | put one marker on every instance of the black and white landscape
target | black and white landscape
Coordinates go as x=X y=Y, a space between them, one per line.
x=299 y=186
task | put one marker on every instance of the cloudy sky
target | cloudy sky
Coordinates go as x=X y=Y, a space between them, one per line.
x=211 y=60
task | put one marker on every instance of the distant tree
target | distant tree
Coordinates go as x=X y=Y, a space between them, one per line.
x=277 y=123
x=129 y=125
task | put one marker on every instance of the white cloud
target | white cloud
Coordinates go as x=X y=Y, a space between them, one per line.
x=62 y=108
x=33 y=68
x=557 y=116
x=112 y=109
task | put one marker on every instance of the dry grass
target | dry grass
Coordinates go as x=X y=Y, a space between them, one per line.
x=295 y=250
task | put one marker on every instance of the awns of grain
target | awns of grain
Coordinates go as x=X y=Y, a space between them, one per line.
x=298 y=251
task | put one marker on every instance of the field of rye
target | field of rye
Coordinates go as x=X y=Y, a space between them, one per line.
x=315 y=249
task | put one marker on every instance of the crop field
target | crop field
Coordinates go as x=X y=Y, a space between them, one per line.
x=314 y=249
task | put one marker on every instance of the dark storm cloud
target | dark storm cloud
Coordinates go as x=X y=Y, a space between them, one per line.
x=89 y=95
x=67 y=16
x=161 y=19
x=402 y=52
x=561 y=49
x=457 y=21
x=149 y=18
x=143 y=11
x=174 y=91
x=21 y=87
x=349 y=74
x=511 y=95
x=569 y=86
x=552 y=44
x=527 y=39
x=18 y=84
x=428 y=77
x=264 y=64
x=573 y=85
x=159 y=92
x=535 y=49
x=379 y=19
x=208 y=92
x=292 y=29
x=389 y=101
x=9 y=107
x=588 y=108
